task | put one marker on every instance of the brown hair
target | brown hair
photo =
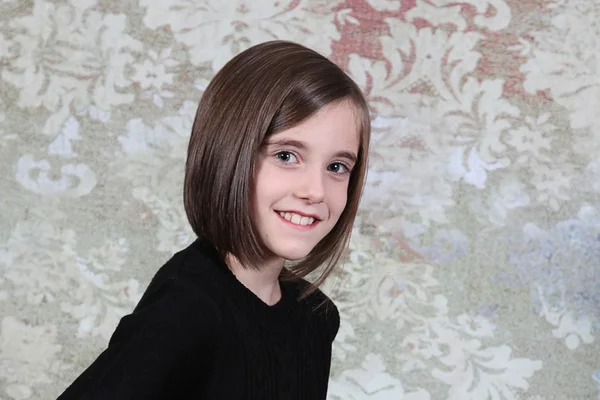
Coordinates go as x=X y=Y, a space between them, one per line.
x=264 y=90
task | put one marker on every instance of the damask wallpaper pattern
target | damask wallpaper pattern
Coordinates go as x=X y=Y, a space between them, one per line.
x=474 y=270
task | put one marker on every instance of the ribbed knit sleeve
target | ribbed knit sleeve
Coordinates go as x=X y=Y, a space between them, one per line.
x=333 y=322
x=172 y=330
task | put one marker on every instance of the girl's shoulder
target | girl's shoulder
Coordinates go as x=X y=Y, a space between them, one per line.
x=181 y=285
x=320 y=307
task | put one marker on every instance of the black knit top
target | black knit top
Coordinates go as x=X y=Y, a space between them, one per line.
x=199 y=333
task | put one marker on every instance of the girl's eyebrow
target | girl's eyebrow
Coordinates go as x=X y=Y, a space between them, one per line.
x=287 y=143
x=302 y=146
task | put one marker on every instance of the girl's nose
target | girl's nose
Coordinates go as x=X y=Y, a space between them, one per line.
x=311 y=187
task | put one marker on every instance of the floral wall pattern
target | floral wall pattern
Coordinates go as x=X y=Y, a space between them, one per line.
x=474 y=270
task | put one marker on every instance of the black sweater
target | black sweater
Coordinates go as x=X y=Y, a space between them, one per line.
x=198 y=333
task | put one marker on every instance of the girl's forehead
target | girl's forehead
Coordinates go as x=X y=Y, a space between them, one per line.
x=336 y=122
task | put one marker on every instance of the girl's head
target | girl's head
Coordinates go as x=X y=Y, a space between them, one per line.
x=277 y=159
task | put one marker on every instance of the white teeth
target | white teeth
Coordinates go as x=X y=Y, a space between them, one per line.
x=297 y=219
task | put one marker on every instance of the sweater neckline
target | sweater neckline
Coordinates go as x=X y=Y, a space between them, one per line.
x=246 y=298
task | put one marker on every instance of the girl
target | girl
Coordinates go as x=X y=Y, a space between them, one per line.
x=275 y=168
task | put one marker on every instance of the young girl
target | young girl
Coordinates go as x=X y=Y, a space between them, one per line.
x=275 y=168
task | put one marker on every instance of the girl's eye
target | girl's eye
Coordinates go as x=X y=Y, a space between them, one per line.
x=286 y=157
x=338 y=168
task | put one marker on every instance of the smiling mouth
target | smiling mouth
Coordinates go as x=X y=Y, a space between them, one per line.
x=297 y=219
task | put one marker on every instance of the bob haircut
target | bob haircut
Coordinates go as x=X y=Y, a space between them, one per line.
x=266 y=89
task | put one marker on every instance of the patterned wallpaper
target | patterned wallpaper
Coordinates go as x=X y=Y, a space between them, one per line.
x=474 y=270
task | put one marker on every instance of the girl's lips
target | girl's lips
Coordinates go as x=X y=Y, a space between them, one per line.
x=300 y=227
x=315 y=216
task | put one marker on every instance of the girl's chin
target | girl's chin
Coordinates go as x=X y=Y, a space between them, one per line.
x=291 y=253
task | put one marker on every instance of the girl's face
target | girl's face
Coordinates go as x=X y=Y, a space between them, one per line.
x=301 y=181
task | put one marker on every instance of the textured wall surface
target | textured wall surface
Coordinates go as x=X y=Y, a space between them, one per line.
x=474 y=266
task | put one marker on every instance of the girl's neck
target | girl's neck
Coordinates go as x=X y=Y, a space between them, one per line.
x=264 y=283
